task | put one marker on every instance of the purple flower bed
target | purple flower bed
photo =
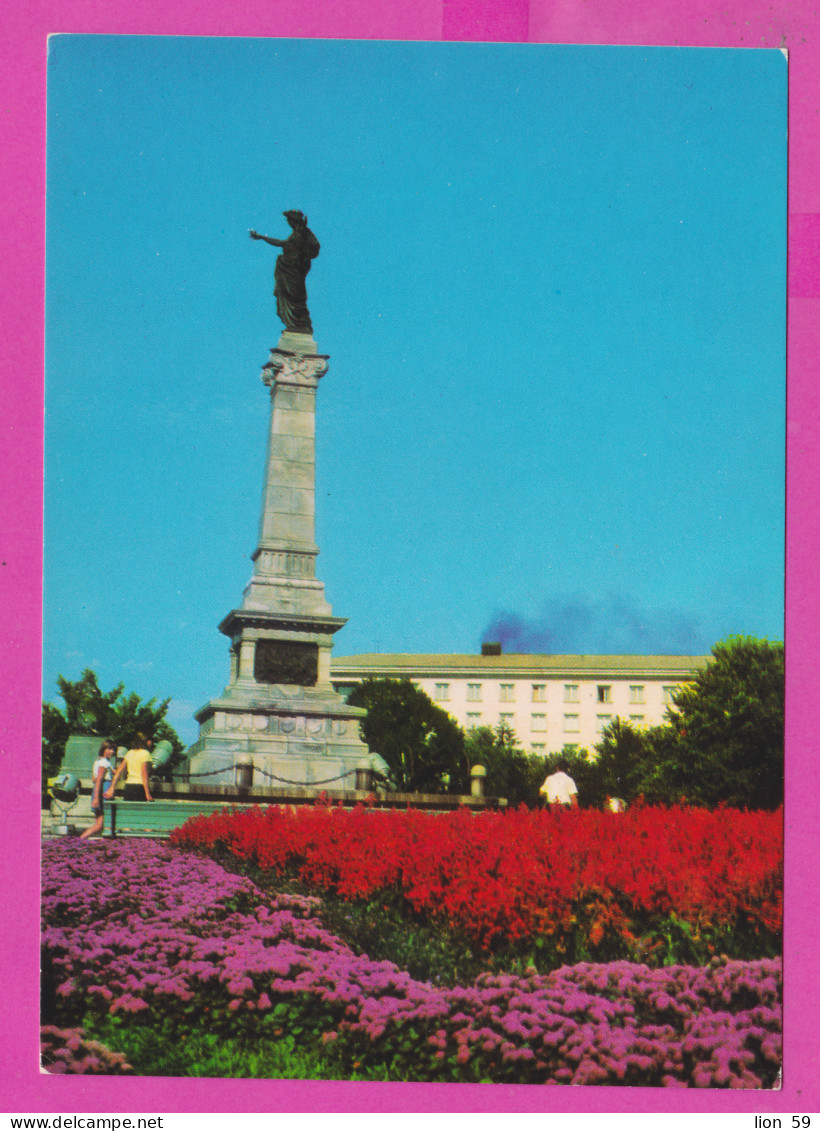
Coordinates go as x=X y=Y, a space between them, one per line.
x=137 y=929
x=68 y=1052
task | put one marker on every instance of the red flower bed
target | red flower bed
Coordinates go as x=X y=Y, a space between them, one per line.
x=505 y=877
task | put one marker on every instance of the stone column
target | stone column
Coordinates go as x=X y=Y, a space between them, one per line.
x=280 y=708
x=285 y=558
x=287 y=522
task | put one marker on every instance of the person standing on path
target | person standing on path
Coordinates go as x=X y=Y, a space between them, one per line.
x=101 y=773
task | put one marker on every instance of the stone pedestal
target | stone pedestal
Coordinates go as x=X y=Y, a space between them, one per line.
x=279 y=707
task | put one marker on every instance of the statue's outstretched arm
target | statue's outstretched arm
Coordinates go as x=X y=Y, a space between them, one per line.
x=268 y=239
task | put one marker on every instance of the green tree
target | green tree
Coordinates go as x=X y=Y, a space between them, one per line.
x=111 y=714
x=723 y=741
x=728 y=727
x=511 y=773
x=664 y=775
x=421 y=744
x=624 y=760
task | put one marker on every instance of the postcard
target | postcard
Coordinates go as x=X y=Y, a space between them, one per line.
x=414 y=531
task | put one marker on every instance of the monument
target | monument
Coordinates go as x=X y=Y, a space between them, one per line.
x=279 y=711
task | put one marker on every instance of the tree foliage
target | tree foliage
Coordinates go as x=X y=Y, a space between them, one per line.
x=723 y=741
x=511 y=772
x=728 y=727
x=625 y=760
x=421 y=744
x=112 y=714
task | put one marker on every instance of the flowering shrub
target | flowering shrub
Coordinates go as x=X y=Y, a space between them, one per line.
x=136 y=929
x=615 y=1023
x=618 y=880
x=68 y=1051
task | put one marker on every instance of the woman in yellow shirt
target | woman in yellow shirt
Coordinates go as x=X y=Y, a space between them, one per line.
x=138 y=764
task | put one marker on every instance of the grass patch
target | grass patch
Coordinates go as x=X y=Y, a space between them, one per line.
x=156 y=1050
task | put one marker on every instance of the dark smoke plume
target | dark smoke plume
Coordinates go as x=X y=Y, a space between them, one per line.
x=609 y=626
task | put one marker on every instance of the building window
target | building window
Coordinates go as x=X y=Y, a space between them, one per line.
x=603 y=721
x=604 y=693
x=539 y=722
x=507 y=692
x=474 y=692
x=506 y=720
x=636 y=694
x=667 y=695
x=636 y=718
x=571 y=693
x=442 y=691
x=539 y=747
x=473 y=720
x=539 y=693
x=571 y=724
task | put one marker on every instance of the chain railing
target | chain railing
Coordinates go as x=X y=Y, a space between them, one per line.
x=273 y=777
x=211 y=773
x=287 y=781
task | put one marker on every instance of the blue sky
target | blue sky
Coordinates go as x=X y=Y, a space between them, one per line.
x=552 y=289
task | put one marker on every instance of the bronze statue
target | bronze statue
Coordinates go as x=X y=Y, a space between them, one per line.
x=291 y=270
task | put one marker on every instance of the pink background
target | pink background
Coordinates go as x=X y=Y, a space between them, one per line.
x=708 y=23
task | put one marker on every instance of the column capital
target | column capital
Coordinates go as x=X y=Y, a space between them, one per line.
x=285 y=367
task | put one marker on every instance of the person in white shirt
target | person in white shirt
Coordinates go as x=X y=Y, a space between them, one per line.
x=559 y=788
x=101 y=777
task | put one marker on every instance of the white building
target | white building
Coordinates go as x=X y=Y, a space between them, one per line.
x=549 y=701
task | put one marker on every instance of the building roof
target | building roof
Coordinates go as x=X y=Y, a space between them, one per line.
x=517 y=665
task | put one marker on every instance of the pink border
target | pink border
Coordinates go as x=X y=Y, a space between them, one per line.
x=730 y=23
